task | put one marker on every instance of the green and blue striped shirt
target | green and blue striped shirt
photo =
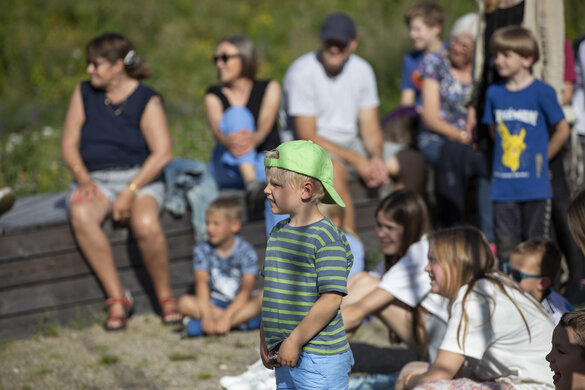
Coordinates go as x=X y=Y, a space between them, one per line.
x=302 y=263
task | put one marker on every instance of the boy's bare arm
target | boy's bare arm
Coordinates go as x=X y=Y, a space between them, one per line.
x=321 y=313
x=243 y=296
x=558 y=138
x=202 y=294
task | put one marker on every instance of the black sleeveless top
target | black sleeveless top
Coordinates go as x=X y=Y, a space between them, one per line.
x=109 y=140
x=272 y=140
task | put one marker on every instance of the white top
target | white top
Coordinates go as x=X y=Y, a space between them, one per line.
x=556 y=305
x=497 y=344
x=408 y=281
x=335 y=101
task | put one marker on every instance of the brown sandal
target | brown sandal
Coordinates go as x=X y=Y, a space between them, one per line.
x=169 y=313
x=127 y=302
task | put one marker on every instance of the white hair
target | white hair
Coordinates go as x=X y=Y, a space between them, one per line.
x=466 y=24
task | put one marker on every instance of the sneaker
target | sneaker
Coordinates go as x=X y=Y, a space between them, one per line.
x=256 y=377
x=7 y=199
x=192 y=327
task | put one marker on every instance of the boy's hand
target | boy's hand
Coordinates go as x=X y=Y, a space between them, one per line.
x=289 y=353
x=209 y=326
x=222 y=325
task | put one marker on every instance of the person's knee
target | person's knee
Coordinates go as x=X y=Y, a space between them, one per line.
x=146 y=226
x=81 y=216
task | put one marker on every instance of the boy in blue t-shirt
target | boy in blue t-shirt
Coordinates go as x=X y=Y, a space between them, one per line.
x=425 y=24
x=520 y=111
x=305 y=273
x=225 y=268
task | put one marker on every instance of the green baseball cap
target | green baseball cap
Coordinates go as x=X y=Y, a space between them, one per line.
x=309 y=159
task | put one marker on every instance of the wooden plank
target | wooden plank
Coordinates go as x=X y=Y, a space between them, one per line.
x=65 y=292
x=81 y=314
x=59 y=239
x=42 y=268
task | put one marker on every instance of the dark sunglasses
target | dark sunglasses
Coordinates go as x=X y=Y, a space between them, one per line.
x=333 y=43
x=517 y=275
x=224 y=57
x=94 y=63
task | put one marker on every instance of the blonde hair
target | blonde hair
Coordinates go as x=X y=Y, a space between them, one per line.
x=230 y=206
x=576 y=219
x=550 y=255
x=431 y=13
x=295 y=179
x=464 y=255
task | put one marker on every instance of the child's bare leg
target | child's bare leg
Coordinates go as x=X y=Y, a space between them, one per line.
x=250 y=310
x=358 y=286
x=247 y=171
x=189 y=305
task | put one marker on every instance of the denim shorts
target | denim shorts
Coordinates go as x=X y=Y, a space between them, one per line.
x=112 y=181
x=326 y=372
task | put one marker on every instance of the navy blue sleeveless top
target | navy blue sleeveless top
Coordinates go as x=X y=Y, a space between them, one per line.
x=272 y=140
x=109 y=140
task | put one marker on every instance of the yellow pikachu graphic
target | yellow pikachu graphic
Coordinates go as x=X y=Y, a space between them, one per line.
x=513 y=146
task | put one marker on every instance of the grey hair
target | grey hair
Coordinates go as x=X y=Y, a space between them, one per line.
x=466 y=24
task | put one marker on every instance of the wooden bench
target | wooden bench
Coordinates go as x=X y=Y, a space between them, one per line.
x=44 y=279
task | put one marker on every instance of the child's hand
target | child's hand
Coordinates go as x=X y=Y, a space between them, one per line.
x=289 y=353
x=222 y=325
x=209 y=326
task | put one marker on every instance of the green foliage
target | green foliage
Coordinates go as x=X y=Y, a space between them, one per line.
x=45 y=328
x=108 y=360
x=42 y=58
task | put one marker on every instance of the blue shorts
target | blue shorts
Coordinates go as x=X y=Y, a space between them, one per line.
x=327 y=372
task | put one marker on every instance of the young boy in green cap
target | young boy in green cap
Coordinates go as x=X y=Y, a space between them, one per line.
x=305 y=273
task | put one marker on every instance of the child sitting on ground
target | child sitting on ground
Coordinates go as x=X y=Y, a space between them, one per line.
x=336 y=213
x=305 y=273
x=496 y=335
x=534 y=265
x=225 y=268
x=567 y=355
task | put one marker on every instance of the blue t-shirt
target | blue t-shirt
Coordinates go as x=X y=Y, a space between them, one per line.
x=410 y=73
x=303 y=262
x=111 y=136
x=225 y=274
x=521 y=120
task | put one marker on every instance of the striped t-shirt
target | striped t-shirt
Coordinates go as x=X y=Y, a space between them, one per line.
x=302 y=263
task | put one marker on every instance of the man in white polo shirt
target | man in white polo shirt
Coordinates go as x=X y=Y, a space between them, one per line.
x=330 y=97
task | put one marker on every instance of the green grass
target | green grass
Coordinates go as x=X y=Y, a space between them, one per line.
x=182 y=356
x=108 y=360
x=42 y=59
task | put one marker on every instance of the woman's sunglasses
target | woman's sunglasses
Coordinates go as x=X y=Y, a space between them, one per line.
x=517 y=275
x=224 y=57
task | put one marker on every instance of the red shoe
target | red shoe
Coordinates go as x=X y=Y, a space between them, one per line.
x=127 y=302
x=170 y=315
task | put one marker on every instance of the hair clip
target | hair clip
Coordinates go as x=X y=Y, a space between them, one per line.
x=130 y=58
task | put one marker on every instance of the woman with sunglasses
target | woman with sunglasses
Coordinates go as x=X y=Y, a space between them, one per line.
x=116 y=143
x=238 y=158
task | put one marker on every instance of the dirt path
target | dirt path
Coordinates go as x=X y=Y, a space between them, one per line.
x=151 y=356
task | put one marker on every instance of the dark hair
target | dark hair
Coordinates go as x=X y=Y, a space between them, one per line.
x=516 y=39
x=408 y=209
x=550 y=255
x=576 y=321
x=114 y=47
x=430 y=12
x=247 y=53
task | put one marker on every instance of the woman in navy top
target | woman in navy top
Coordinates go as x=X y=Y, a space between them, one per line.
x=116 y=142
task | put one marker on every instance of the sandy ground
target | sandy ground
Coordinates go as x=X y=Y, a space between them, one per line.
x=149 y=355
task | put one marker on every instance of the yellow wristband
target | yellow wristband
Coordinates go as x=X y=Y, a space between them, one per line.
x=133 y=187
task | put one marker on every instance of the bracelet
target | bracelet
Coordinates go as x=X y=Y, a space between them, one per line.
x=409 y=377
x=133 y=187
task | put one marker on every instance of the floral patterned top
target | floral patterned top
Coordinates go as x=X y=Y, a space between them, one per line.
x=452 y=91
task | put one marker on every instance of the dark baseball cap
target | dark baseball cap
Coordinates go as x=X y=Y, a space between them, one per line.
x=338 y=27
